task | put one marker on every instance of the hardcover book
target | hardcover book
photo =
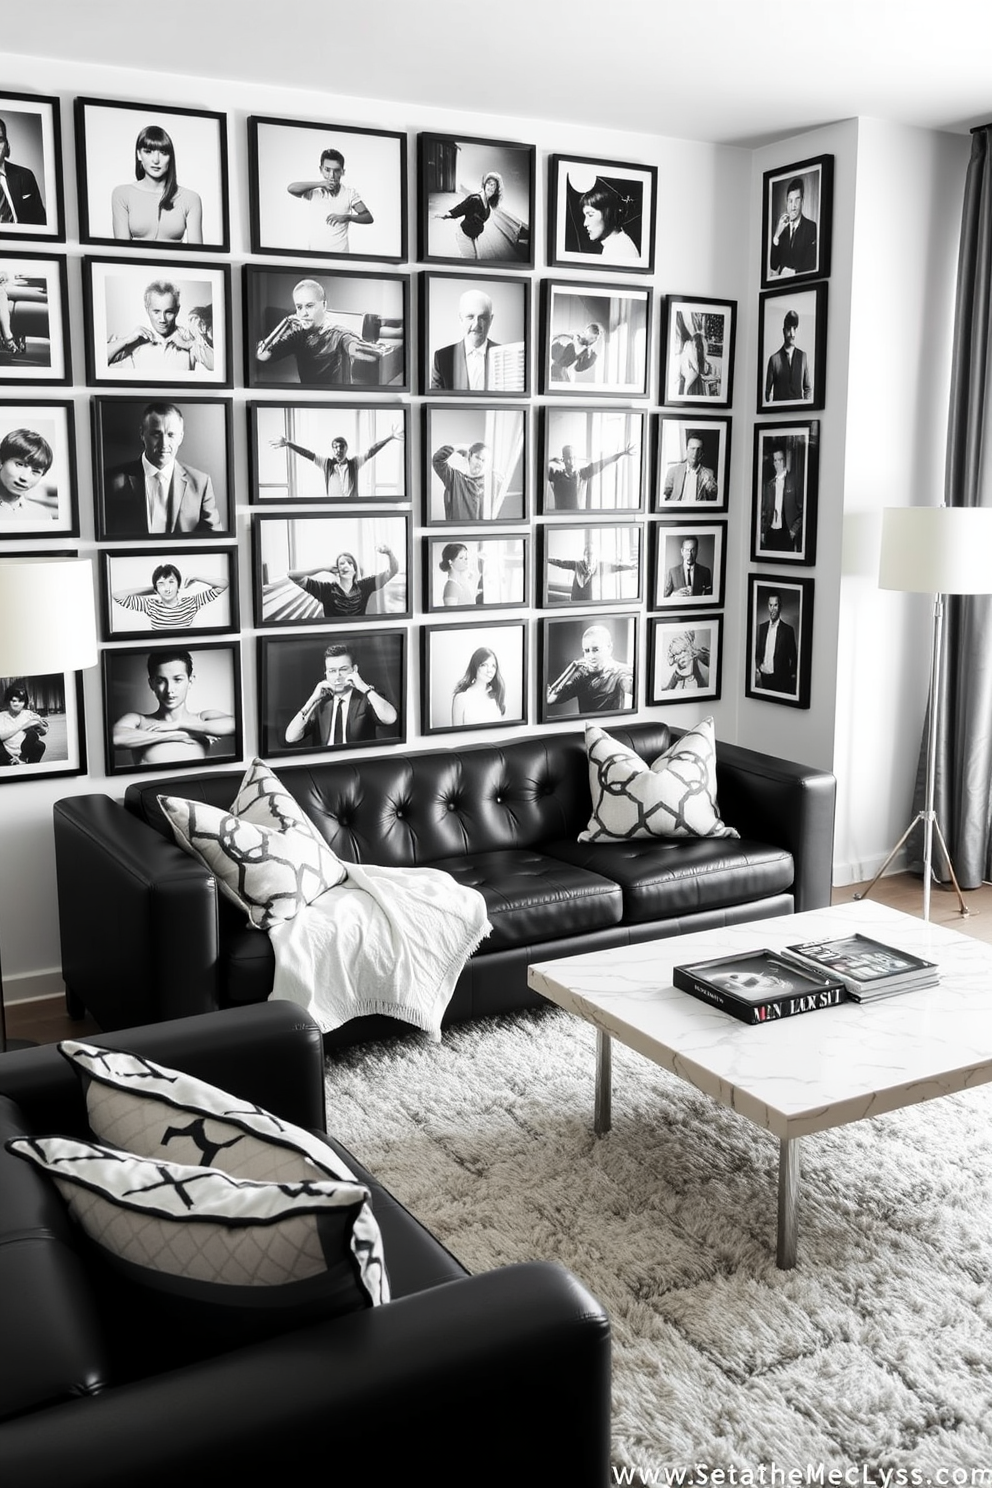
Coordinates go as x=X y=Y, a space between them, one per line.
x=759 y=986
x=868 y=968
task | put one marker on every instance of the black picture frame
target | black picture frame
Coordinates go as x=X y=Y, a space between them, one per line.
x=55 y=745
x=788 y=683
x=282 y=545
x=291 y=668
x=488 y=228
x=373 y=467
x=371 y=310
x=566 y=667
x=128 y=580
x=698 y=352
x=34 y=295
x=40 y=436
x=595 y=339
x=202 y=488
x=123 y=298
x=464 y=484
x=593 y=563
x=290 y=153
x=799 y=384
x=467 y=571
x=685 y=659
x=675 y=464
x=606 y=475
x=710 y=567
x=796 y=447
x=803 y=249
x=454 y=306
x=32 y=124
x=214 y=670
x=115 y=208
x=454 y=698
x=602 y=214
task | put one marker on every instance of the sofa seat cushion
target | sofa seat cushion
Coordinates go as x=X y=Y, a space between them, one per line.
x=666 y=877
x=532 y=897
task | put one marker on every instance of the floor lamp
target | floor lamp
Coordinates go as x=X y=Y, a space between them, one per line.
x=47 y=624
x=934 y=550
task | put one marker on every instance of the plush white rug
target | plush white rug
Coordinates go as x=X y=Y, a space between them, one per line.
x=872 y=1359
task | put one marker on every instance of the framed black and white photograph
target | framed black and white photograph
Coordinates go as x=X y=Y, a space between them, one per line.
x=476 y=201
x=685 y=659
x=157 y=325
x=596 y=564
x=459 y=355
x=163 y=468
x=324 y=692
x=153 y=176
x=697 y=358
x=38 y=470
x=147 y=591
x=34 y=319
x=589 y=667
x=41 y=727
x=475 y=464
x=784 y=492
x=463 y=571
x=325 y=331
x=692 y=463
x=326 y=190
x=173 y=705
x=690 y=562
x=473 y=676
x=31 y=164
x=601 y=214
x=592 y=460
x=328 y=452
x=796 y=220
x=329 y=570
x=594 y=339
x=792 y=348
x=779 y=640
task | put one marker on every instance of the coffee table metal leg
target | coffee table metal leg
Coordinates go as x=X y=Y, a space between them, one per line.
x=603 y=1113
x=788 y=1202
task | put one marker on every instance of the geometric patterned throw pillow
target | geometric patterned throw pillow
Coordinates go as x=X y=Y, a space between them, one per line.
x=673 y=797
x=199 y=1234
x=264 y=852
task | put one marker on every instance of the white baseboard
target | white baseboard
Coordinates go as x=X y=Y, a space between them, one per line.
x=845 y=874
x=33 y=986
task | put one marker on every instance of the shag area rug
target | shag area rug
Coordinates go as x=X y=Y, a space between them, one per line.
x=871 y=1361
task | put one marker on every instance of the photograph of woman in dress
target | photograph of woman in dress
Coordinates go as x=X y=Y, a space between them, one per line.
x=480 y=693
x=473 y=213
x=473 y=676
x=154 y=207
x=476 y=200
x=461 y=586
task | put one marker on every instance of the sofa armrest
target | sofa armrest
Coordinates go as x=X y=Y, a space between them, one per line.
x=137 y=916
x=493 y=1379
x=787 y=805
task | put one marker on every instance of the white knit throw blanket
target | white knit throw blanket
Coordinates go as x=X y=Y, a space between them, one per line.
x=387 y=940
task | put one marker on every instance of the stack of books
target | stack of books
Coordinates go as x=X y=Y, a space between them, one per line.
x=760 y=986
x=867 y=968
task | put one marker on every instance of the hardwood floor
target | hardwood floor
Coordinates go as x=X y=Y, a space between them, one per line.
x=45 y=1021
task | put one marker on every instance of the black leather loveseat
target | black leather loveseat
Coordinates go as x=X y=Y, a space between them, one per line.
x=145 y=936
x=492 y=1379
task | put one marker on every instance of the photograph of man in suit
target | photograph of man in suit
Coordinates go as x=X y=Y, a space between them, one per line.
x=793 y=247
x=156 y=493
x=787 y=379
x=688 y=579
x=781 y=508
x=20 y=199
x=464 y=365
x=776 y=660
x=342 y=709
x=690 y=479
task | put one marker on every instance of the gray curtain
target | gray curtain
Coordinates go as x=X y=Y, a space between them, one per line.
x=964 y=741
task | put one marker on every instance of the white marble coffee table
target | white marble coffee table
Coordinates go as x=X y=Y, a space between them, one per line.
x=802 y=1074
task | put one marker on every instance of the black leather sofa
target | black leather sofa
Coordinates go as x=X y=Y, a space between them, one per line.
x=146 y=937
x=492 y=1379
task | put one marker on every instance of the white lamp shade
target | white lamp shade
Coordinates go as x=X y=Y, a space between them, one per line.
x=937 y=549
x=47 y=616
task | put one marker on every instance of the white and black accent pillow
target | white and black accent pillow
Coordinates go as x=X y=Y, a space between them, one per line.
x=675 y=796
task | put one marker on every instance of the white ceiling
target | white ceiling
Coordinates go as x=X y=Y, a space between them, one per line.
x=728 y=71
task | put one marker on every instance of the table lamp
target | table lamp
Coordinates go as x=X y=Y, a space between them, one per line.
x=47 y=624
